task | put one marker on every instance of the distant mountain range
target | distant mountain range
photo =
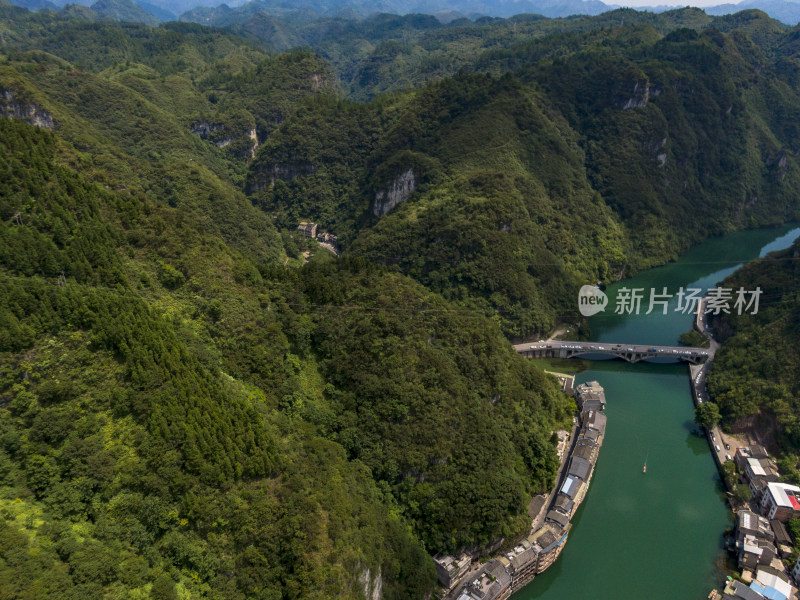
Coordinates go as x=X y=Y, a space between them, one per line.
x=787 y=12
x=127 y=10
x=446 y=10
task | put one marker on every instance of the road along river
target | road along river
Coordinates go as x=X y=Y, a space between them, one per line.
x=659 y=534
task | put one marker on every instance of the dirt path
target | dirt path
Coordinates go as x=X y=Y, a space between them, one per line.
x=559 y=331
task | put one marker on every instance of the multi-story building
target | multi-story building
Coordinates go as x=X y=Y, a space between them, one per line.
x=743 y=453
x=565 y=505
x=586 y=448
x=749 y=523
x=450 y=569
x=548 y=542
x=594 y=420
x=760 y=467
x=308 y=229
x=754 y=552
x=768 y=584
x=772 y=584
x=754 y=540
x=780 y=501
x=782 y=538
x=493 y=582
x=590 y=396
x=521 y=563
x=558 y=518
x=758 y=472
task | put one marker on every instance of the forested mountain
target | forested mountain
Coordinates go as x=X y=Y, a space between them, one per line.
x=124 y=10
x=564 y=159
x=755 y=377
x=198 y=402
x=782 y=10
x=185 y=410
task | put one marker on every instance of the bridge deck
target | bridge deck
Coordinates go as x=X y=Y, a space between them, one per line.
x=630 y=352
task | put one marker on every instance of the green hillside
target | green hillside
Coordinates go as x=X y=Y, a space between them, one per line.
x=198 y=402
x=186 y=411
x=171 y=411
x=754 y=378
x=599 y=154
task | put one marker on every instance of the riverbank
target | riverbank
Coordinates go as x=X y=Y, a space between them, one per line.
x=759 y=543
x=680 y=502
x=551 y=524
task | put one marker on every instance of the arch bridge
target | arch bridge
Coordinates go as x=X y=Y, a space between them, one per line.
x=632 y=353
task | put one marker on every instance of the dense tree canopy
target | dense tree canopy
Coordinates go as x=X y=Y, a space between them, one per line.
x=754 y=377
x=198 y=402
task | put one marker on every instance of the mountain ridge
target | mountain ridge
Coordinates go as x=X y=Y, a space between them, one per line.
x=786 y=11
x=197 y=400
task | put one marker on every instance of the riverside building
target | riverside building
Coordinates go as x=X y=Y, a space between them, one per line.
x=514 y=569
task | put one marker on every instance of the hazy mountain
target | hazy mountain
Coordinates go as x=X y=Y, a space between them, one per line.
x=82 y=12
x=36 y=4
x=450 y=9
x=125 y=10
x=782 y=10
x=447 y=11
x=159 y=11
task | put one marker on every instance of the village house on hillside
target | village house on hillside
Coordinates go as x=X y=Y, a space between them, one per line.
x=327 y=240
x=307 y=229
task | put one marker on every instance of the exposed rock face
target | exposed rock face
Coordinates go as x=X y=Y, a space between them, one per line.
x=204 y=129
x=661 y=157
x=780 y=165
x=373 y=588
x=286 y=170
x=318 y=82
x=377 y=587
x=633 y=95
x=396 y=192
x=253 y=136
x=657 y=148
x=24 y=111
x=222 y=137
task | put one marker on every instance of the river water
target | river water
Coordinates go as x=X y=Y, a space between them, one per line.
x=659 y=534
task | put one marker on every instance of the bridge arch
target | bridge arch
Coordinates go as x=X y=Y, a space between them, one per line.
x=632 y=353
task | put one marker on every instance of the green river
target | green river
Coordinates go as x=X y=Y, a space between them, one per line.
x=659 y=534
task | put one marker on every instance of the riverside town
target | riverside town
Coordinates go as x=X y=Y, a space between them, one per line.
x=463 y=578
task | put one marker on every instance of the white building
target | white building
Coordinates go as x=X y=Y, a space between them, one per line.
x=781 y=501
x=772 y=584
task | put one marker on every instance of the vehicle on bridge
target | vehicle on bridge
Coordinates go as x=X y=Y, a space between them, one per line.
x=631 y=353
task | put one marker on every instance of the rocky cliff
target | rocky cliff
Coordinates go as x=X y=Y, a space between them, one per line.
x=399 y=190
x=14 y=108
